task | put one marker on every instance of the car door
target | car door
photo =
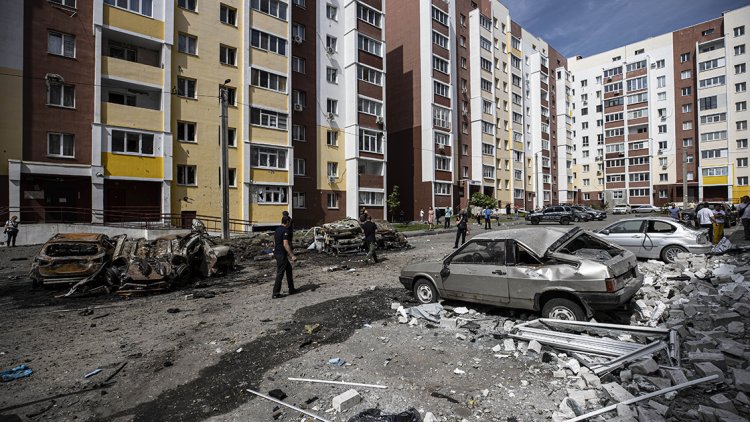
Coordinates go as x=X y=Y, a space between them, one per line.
x=478 y=273
x=550 y=214
x=628 y=234
x=658 y=234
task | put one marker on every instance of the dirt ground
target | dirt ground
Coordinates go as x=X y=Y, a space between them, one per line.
x=189 y=358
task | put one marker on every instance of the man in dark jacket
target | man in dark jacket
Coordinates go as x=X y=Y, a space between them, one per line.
x=369 y=228
x=282 y=251
x=463 y=228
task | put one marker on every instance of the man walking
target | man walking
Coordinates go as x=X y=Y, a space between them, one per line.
x=369 y=228
x=507 y=210
x=487 y=218
x=674 y=212
x=448 y=216
x=282 y=251
x=705 y=220
x=743 y=212
x=463 y=228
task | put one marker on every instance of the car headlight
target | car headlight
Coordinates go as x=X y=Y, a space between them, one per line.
x=701 y=238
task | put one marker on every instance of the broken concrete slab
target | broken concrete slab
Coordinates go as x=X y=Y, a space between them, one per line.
x=644 y=366
x=722 y=402
x=741 y=379
x=706 y=369
x=346 y=400
x=616 y=392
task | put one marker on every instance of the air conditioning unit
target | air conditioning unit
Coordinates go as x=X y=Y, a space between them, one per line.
x=663 y=167
x=330 y=50
x=379 y=120
x=598 y=173
x=299 y=107
x=585 y=103
x=663 y=118
x=660 y=152
x=598 y=158
x=464 y=91
x=297 y=39
x=333 y=179
x=464 y=113
x=330 y=116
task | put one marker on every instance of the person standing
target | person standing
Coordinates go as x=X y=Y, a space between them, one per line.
x=421 y=216
x=743 y=213
x=487 y=218
x=704 y=218
x=291 y=227
x=11 y=231
x=507 y=210
x=674 y=212
x=282 y=251
x=516 y=208
x=719 y=218
x=448 y=216
x=463 y=228
x=369 y=228
x=401 y=216
x=363 y=215
x=431 y=218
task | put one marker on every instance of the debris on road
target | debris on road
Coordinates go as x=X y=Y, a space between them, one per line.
x=92 y=373
x=305 y=412
x=20 y=371
x=338 y=382
x=377 y=415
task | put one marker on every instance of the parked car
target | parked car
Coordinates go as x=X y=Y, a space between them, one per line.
x=71 y=257
x=556 y=214
x=689 y=215
x=656 y=237
x=621 y=209
x=566 y=273
x=587 y=214
x=645 y=209
x=600 y=215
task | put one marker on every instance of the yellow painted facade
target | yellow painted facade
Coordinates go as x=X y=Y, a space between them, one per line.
x=267 y=214
x=326 y=154
x=715 y=180
x=11 y=116
x=124 y=165
x=269 y=176
x=131 y=71
x=133 y=22
x=738 y=192
x=268 y=136
x=132 y=117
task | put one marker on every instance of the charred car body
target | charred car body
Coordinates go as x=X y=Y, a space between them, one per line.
x=97 y=263
x=564 y=273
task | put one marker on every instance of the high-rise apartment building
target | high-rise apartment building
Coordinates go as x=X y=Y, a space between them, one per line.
x=11 y=108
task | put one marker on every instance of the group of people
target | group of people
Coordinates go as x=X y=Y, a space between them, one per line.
x=433 y=219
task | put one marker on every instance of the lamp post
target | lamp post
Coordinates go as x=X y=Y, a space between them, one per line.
x=223 y=99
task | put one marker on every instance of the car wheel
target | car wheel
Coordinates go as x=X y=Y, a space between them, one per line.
x=425 y=292
x=564 y=309
x=669 y=254
x=565 y=220
x=577 y=219
x=534 y=221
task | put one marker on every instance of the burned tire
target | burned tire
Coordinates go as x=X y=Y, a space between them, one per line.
x=565 y=221
x=564 y=309
x=425 y=292
x=669 y=253
x=534 y=221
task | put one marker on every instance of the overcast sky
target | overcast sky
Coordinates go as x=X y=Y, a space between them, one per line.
x=587 y=27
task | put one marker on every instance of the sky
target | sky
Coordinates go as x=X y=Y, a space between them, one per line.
x=588 y=27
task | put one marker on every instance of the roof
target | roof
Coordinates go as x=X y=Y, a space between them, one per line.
x=77 y=237
x=537 y=239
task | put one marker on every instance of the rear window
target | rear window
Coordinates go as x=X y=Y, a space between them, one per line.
x=590 y=246
x=71 y=249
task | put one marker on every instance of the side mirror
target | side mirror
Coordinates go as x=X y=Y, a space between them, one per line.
x=445 y=272
x=604 y=232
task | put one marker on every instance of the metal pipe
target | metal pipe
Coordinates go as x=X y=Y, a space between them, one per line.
x=614 y=363
x=602 y=325
x=338 y=382
x=305 y=412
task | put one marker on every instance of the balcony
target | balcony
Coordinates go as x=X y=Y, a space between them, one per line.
x=131 y=71
x=132 y=117
x=133 y=22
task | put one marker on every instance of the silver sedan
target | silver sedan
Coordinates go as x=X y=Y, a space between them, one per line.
x=656 y=237
x=645 y=209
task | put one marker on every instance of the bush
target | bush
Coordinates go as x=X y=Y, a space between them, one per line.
x=481 y=200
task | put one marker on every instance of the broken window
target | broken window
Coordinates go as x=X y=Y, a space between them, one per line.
x=482 y=252
x=71 y=249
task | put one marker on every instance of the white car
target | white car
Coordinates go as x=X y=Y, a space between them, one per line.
x=621 y=209
x=646 y=209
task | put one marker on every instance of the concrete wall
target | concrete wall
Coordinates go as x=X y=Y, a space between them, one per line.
x=37 y=234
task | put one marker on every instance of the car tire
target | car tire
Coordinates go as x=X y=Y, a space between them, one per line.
x=576 y=219
x=425 y=292
x=564 y=221
x=564 y=309
x=534 y=221
x=669 y=253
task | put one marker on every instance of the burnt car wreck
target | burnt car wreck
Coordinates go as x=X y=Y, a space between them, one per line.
x=96 y=263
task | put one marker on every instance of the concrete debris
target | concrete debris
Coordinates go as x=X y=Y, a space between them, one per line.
x=346 y=400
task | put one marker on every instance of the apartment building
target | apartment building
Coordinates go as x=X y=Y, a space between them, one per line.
x=737 y=41
x=11 y=108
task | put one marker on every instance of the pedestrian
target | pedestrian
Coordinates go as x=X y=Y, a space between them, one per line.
x=704 y=218
x=363 y=215
x=516 y=208
x=431 y=218
x=507 y=210
x=674 y=212
x=719 y=218
x=11 y=231
x=743 y=213
x=282 y=251
x=421 y=216
x=369 y=228
x=463 y=228
x=291 y=227
x=478 y=215
x=448 y=216
x=487 y=217
x=401 y=216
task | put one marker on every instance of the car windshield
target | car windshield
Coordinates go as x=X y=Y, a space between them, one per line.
x=589 y=246
x=71 y=249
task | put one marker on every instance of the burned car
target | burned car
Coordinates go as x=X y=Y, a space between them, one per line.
x=564 y=273
x=96 y=263
x=74 y=257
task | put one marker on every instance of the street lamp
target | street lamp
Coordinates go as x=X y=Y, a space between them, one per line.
x=223 y=99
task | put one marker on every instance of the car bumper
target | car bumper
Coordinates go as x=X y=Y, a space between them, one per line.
x=607 y=301
x=408 y=282
x=699 y=249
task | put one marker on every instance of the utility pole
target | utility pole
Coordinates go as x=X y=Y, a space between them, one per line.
x=223 y=94
x=684 y=179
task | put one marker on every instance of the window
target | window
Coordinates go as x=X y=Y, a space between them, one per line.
x=61 y=95
x=68 y=3
x=485 y=44
x=487 y=106
x=742 y=181
x=186 y=175
x=370 y=75
x=488 y=128
x=442 y=188
x=231 y=176
x=708 y=103
x=332 y=138
x=231 y=96
x=439 y=16
x=440 y=39
x=741 y=125
x=332 y=169
x=227 y=55
x=267 y=157
x=686 y=74
x=740 y=87
x=615 y=87
x=267 y=118
x=441 y=89
x=274 y=8
x=142 y=7
x=713 y=118
x=662 y=128
x=299 y=167
x=640 y=192
x=485 y=85
x=227 y=15
x=488 y=149
x=441 y=117
x=132 y=143
x=187 y=44
x=332 y=75
x=661 y=81
x=739 y=68
x=60 y=145
x=370 y=141
x=711 y=64
x=739 y=49
x=61 y=44
x=442 y=163
x=298 y=64
x=332 y=106
x=715 y=81
x=684 y=57
x=687 y=125
x=661 y=96
x=369 y=45
x=686 y=91
x=267 y=80
x=331 y=43
x=333 y=201
x=368 y=15
x=715 y=171
x=123 y=51
x=663 y=177
x=659 y=64
x=268 y=42
x=299 y=133
x=270 y=194
x=687 y=142
x=186 y=131
x=231 y=137
x=612 y=72
x=637 y=65
x=740 y=106
x=439 y=64
x=332 y=12
x=374 y=108
x=485 y=64
x=298 y=32
x=371 y=198
x=739 y=31
x=298 y=199
x=742 y=143
x=715 y=153
x=187 y=4
x=613 y=117
x=714 y=136
x=488 y=172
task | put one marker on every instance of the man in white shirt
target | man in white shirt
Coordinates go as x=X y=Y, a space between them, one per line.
x=705 y=220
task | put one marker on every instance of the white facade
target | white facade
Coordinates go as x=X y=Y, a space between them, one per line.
x=737 y=43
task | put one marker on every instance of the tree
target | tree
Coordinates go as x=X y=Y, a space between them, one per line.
x=394 y=201
x=481 y=200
